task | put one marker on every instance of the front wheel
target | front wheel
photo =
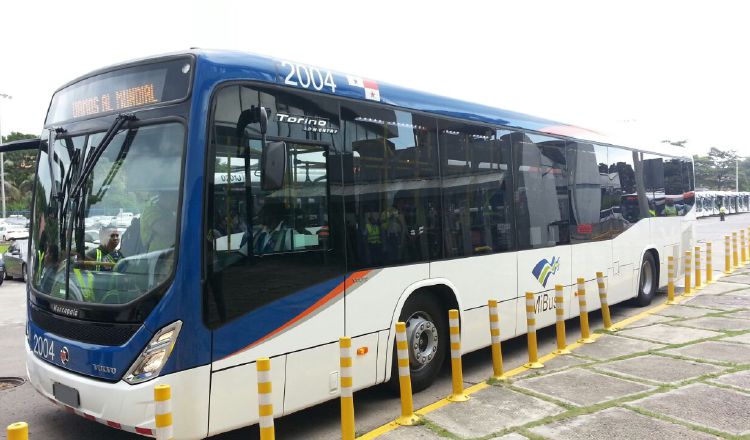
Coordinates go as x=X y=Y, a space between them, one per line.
x=647 y=281
x=427 y=336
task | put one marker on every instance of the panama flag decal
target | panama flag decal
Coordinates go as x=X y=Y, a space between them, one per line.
x=544 y=269
x=370 y=87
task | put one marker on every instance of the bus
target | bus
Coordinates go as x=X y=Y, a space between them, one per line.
x=275 y=206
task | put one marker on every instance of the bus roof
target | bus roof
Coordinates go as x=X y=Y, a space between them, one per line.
x=223 y=65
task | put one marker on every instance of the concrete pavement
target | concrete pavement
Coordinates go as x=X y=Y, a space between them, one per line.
x=680 y=371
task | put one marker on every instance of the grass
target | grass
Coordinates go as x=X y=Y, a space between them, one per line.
x=3 y=248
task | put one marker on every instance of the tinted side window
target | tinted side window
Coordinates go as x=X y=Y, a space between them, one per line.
x=541 y=190
x=591 y=203
x=688 y=183
x=392 y=186
x=653 y=180
x=674 y=203
x=262 y=245
x=477 y=191
x=627 y=204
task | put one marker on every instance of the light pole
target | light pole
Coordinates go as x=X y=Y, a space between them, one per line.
x=2 y=158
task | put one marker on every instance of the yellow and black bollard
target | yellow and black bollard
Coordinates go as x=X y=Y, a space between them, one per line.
x=408 y=418
x=497 y=353
x=265 y=399
x=709 y=264
x=163 y=412
x=727 y=255
x=562 y=344
x=743 y=247
x=688 y=269
x=748 y=242
x=347 y=392
x=698 y=281
x=531 y=333
x=458 y=394
x=606 y=317
x=18 y=431
x=583 y=312
x=670 y=280
x=735 y=254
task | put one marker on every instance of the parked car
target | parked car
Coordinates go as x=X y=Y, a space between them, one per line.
x=2 y=272
x=15 y=259
x=10 y=231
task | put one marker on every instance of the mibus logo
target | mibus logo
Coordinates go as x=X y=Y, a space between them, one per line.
x=544 y=269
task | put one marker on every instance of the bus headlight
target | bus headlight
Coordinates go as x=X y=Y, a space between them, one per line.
x=154 y=356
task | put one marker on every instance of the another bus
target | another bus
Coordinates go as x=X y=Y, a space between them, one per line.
x=196 y=211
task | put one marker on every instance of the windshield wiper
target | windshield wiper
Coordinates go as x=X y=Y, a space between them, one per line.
x=88 y=166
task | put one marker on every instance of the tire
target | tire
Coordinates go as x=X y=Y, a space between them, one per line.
x=24 y=277
x=2 y=277
x=427 y=327
x=647 y=281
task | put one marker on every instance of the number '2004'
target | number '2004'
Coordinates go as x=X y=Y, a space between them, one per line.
x=300 y=75
x=43 y=347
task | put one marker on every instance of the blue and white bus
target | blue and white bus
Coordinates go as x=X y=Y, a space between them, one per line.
x=196 y=211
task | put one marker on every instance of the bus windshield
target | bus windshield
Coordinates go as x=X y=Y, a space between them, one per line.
x=114 y=240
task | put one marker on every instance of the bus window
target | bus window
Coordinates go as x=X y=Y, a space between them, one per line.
x=263 y=244
x=592 y=204
x=622 y=174
x=477 y=191
x=675 y=203
x=653 y=181
x=393 y=212
x=118 y=240
x=541 y=190
x=688 y=183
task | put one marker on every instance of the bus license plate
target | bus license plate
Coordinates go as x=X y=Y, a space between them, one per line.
x=66 y=394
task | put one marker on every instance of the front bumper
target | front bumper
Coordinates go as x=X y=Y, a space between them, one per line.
x=129 y=407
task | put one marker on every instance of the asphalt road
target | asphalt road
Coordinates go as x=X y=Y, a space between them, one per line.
x=373 y=407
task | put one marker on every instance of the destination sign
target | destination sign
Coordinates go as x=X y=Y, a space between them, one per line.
x=123 y=89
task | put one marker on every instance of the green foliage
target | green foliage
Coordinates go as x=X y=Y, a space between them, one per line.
x=19 y=174
x=719 y=169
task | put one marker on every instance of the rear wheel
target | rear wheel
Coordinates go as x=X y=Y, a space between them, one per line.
x=427 y=337
x=647 y=281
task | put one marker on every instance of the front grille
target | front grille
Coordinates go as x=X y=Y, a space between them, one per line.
x=84 y=331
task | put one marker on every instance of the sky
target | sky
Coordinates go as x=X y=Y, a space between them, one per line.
x=645 y=71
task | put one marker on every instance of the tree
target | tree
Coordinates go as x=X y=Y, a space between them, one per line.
x=723 y=164
x=19 y=174
x=704 y=173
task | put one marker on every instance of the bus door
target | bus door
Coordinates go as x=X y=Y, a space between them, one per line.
x=275 y=281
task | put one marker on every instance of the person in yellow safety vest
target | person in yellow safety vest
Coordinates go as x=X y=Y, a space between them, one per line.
x=86 y=286
x=373 y=231
x=722 y=212
x=669 y=209
x=158 y=222
x=106 y=252
x=374 y=239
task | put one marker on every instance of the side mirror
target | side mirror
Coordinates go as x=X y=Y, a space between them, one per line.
x=273 y=161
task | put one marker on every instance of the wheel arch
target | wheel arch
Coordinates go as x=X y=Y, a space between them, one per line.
x=440 y=288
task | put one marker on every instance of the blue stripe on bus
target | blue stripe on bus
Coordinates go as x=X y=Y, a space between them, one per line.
x=253 y=326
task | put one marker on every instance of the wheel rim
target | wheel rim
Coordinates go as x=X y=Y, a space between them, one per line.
x=422 y=336
x=647 y=278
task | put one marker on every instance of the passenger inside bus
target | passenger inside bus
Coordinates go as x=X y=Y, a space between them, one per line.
x=158 y=221
x=107 y=251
